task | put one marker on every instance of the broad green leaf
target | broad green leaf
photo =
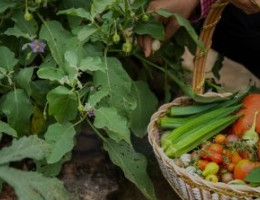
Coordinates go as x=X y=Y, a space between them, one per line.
x=7 y=129
x=118 y=83
x=108 y=118
x=254 y=176
x=5 y=4
x=146 y=106
x=22 y=28
x=16 y=31
x=86 y=32
x=99 y=6
x=51 y=73
x=97 y=96
x=186 y=24
x=7 y=59
x=138 y=3
x=133 y=165
x=24 y=79
x=61 y=139
x=153 y=28
x=51 y=170
x=78 y=12
x=40 y=88
x=92 y=64
x=18 y=109
x=63 y=104
x=25 y=147
x=71 y=66
x=33 y=186
x=56 y=37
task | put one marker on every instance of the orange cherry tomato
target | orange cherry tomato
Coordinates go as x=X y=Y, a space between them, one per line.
x=220 y=138
x=230 y=167
x=227 y=154
x=202 y=164
x=236 y=158
x=215 y=147
x=243 y=168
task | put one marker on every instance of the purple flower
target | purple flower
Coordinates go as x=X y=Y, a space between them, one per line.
x=91 y=113
x=36 y=46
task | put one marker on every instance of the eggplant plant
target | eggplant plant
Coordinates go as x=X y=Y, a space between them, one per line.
x=64 y=63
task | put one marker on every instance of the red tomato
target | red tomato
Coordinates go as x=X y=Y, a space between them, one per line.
x=216 y=157
x=215 y=147
x=204 y=152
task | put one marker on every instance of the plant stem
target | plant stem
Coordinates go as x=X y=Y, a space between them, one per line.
x=149 y=62
x=96 y=130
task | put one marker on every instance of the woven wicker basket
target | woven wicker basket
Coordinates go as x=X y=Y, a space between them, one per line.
x=188 y=186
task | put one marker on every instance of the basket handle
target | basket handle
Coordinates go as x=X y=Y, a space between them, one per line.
x=206 y=34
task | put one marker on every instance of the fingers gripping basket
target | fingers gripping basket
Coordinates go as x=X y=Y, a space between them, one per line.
x=187 y=186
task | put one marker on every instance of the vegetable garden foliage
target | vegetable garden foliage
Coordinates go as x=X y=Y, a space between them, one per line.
x=61 y=65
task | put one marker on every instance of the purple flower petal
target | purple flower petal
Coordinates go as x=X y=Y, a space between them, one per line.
x=37 y=46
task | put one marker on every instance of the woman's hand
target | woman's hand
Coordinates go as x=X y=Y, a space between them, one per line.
x=182 y=7
x=248 y=6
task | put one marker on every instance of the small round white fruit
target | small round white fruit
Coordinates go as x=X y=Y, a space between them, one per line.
x=156 y=45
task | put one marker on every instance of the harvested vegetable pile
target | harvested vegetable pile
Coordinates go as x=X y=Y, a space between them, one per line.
x=218 y=141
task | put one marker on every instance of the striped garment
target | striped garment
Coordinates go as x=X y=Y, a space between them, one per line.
x=204 y=10
x=205 y=6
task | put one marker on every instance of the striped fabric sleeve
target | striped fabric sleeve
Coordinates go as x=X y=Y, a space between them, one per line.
x=204 y=9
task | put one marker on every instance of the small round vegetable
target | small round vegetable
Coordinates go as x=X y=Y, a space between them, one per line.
x=156 y=45
x=216 y=157
x=230 y=167
x=186 y=159
x=116 y=38
x=178 y=162
x=226 y=177
x=212 y=178
x=127 y=47
x=231 y=138
x=202 y=164
x=220 y=138
x=215 y=147
x=28 y=16
x=145 y=18
x=132 y=14
x=236 y=158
